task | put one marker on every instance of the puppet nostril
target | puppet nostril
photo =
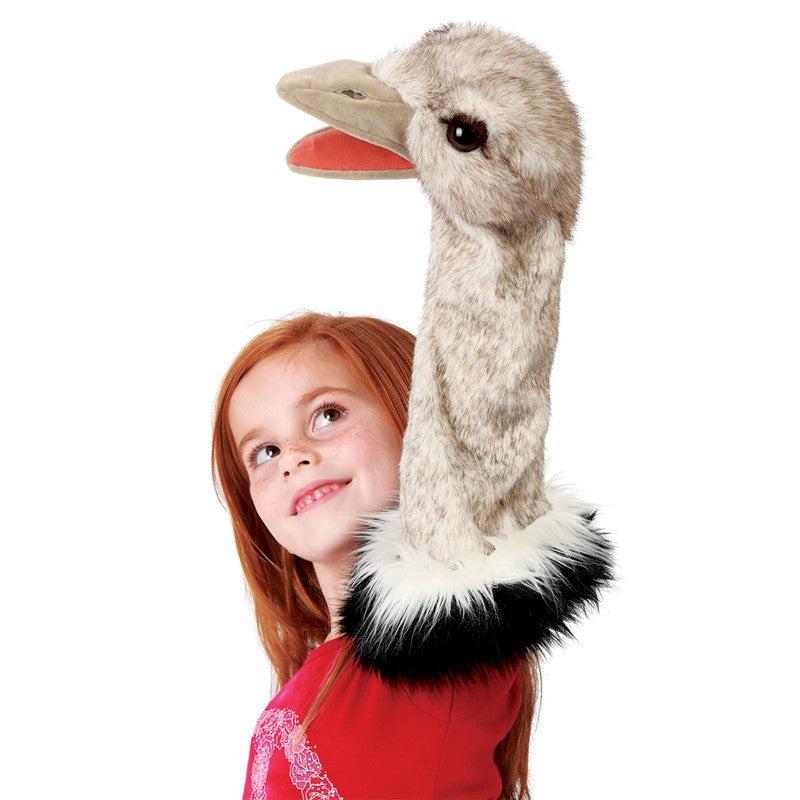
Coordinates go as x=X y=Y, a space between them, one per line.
x=354 y=94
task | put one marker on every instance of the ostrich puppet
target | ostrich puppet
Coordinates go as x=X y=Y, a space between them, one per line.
x=480 y=561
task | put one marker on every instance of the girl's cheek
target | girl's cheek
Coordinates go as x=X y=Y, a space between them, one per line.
x=257 y=479
x=357 y=442
x=261 y=494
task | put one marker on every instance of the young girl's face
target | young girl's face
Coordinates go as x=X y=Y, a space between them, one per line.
x=290 y=430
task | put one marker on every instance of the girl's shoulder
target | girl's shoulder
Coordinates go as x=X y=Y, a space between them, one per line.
x=486 y=691
x=489 y=693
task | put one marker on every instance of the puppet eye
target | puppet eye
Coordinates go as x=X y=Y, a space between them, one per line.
x=465 y=134
x=353 y=93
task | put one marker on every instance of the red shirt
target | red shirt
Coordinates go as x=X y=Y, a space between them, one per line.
x=374 y=741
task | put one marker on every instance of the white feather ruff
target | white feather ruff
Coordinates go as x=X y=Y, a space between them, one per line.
x=405 y=584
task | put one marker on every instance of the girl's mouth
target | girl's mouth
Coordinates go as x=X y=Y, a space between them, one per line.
x=309 y=502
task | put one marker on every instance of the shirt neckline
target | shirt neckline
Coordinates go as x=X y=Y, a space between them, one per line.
x=331 y=644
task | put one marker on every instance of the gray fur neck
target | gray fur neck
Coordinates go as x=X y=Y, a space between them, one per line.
x=473 y=452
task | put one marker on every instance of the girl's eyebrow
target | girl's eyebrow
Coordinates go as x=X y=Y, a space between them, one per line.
x=303 y=401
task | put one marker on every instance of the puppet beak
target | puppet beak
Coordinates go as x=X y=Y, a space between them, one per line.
x=367 y=118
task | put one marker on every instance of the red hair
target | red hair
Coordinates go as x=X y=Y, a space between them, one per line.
x=291 y=613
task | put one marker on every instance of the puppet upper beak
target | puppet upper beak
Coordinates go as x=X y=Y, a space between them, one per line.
x=369 y=120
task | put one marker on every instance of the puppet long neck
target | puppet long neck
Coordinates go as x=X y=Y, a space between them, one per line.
x=479 y=407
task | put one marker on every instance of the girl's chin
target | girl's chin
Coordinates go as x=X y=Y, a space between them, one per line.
x=329 y=546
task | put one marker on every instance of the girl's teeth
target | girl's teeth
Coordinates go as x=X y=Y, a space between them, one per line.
x=316 y=494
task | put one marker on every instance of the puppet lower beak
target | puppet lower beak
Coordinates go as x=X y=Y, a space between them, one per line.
x=368 y=119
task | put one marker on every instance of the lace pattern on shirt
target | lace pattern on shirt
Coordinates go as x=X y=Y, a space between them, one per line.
x=277 y=728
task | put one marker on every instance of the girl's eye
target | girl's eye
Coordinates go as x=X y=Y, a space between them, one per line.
x=335 y=407
x=257 y=457
x=255 y=454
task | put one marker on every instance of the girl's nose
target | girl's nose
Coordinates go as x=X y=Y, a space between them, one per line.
x=296 y=454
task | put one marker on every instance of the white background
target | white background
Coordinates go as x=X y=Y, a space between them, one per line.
x=149 y=227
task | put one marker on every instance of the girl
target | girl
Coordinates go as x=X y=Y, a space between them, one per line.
x=307 y=436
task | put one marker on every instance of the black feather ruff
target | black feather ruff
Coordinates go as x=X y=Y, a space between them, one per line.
x=463 y=645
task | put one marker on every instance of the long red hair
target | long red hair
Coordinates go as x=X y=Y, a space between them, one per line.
x=291 y=613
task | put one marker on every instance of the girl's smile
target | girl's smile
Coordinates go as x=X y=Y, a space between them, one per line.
x=318 y=496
